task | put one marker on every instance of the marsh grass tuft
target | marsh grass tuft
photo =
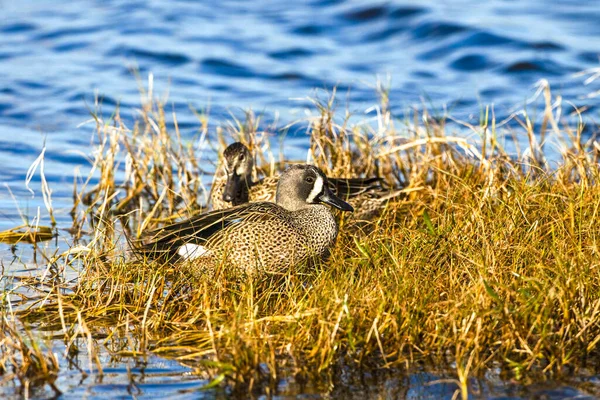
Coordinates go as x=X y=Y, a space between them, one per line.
x=490 y=259
x=25 y=359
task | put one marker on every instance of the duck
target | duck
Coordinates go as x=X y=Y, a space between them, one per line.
x=233 y=185
x=299 y=228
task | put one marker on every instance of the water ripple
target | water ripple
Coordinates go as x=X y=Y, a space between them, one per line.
x=70 y=46
x=365 y=14
x=291 y=53
x=68 y=32
x=18 y=27
x=472 y=62
x=309 y=30
x=163 y=57
x=406 y=12
x=223 y=67
x=535 y=67
x=470 y=40
x=436 y=29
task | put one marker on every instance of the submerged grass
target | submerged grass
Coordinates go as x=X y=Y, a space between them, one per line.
x=25 y=360
x=27 y=234
x=490 y=261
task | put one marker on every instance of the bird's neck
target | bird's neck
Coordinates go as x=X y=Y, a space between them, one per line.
x=318 y=224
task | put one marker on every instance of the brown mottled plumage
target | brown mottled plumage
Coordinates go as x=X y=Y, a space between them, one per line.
x=233 y=185
x=259 y=236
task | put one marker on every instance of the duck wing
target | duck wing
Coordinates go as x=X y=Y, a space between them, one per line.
x=351 y=187
x=166 y=241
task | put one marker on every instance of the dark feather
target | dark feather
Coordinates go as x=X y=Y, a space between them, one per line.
x=352 y=187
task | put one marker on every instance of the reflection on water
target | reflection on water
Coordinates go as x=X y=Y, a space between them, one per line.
x=56 y=55
x=155 y=377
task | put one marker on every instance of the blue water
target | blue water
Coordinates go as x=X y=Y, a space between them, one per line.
x=57 y=56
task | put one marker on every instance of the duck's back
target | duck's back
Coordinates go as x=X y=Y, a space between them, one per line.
x=264 y=189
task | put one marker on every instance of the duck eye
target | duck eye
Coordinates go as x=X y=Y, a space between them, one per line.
x=242 y=157
x=309 y=179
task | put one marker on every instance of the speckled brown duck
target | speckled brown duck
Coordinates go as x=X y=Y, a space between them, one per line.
x=258 y=236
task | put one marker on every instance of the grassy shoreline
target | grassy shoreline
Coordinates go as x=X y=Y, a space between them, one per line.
x=490 y=261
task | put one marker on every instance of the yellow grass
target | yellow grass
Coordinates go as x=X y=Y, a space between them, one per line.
x=490 y=261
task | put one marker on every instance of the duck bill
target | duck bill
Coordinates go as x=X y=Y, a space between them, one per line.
x=329 y=198
x=232 y=187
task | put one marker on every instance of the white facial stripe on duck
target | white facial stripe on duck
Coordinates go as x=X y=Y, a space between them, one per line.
x=316 y=190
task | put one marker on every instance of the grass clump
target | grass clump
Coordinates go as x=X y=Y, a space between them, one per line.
x=25 y=361
x=491 y=260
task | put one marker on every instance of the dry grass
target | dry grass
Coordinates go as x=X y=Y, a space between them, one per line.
x=27 y=234
x=491 y=261
x=25 y=360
